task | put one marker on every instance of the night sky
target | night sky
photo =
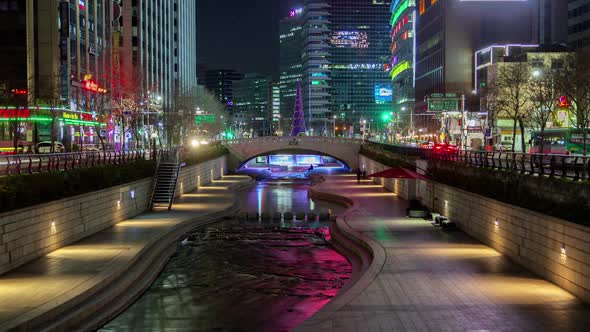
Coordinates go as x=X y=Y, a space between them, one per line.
x=238 y=34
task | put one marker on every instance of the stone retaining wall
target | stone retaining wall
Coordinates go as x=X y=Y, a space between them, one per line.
x=28 y=233
x=553 y=248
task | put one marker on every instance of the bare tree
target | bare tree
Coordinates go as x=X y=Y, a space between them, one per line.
x=543 y=95
x=573 y=81
x=507 y=95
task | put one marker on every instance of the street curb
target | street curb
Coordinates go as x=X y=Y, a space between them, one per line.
x=369 y=251
x=113 y=290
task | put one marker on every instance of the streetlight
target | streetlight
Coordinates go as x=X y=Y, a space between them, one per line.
x=537 y=73
x=334 y=127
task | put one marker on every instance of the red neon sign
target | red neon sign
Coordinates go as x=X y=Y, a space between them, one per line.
x=563 y=102
x=86 y=117
x=19 y=92
x=91 y=85
x=14 y=113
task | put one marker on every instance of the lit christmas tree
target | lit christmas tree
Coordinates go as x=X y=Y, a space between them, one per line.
x=298 y=125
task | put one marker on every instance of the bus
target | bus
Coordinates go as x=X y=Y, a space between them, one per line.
x=560 y=141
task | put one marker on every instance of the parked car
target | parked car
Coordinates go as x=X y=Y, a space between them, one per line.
x=45 y=147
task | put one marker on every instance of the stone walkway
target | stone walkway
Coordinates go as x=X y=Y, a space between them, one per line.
x=434 y=280
x=42 y=285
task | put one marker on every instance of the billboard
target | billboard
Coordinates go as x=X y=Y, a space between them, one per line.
x=383 y=93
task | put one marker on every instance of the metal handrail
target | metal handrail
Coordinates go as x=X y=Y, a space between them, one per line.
x=42 y=163
x=551 y=165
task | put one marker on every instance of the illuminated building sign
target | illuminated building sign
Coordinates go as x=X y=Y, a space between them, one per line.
x=401 y=67
x=295 y=12
x=399 y=11
x=19 y=92
x=89 y=84
x=350 y=39
x=15 y=113
x=563 y=102
x=69 y=116
x=383 y=94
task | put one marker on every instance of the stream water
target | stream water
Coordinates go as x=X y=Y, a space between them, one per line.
x=240 y=275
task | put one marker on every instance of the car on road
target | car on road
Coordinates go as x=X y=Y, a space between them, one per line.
x=445 y=148
x=45 y=147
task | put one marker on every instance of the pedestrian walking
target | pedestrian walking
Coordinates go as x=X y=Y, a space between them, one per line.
x=358 y=175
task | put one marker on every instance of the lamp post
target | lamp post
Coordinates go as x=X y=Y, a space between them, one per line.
x=334 y=126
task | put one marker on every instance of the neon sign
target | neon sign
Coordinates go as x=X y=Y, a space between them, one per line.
x=563 y=102
x=295 y=12
x=15 y=113
x=19 y=92
x=89 y=84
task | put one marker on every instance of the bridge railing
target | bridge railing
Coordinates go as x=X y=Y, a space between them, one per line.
x=50 y=162
x=576 y=167
x=293 y=140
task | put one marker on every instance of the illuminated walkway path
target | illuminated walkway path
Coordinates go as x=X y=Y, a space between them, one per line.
x=34 y=290
x=438 y=281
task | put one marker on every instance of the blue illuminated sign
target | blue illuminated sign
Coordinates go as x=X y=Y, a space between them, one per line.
x=383 y=94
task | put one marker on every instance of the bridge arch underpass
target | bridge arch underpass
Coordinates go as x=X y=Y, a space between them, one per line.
x=296 y=152
x=343 y=149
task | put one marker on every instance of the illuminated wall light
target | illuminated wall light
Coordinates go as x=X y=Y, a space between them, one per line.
x=496 y=223
x=132 y=193
x=53 y=227
x=118 y=204
x=563 y=251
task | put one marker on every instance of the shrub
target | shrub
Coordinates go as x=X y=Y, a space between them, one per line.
x=19 y=191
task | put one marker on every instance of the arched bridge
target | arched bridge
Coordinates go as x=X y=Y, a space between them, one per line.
x=343 y=149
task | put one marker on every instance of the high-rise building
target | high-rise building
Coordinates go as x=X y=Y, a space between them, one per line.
x=346 y=44
x=56 y=64
x=157 y=47
x=360 y=47
x=220 y=83
x=448 y=34
x=252 y=105
x=290 y=61
x=548 y=21
x=579 y=24
x=276 y=109
x=403 y=57
x=316 y=56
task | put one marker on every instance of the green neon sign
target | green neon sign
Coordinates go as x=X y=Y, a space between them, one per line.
x=399 y=12
x=401 y=67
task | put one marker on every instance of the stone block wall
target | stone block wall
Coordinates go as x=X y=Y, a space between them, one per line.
x=29 y=233
x=554 y=249
x=192 y=177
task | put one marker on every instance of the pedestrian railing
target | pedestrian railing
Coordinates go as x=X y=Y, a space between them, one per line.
x=42 y=163
x=575 y=167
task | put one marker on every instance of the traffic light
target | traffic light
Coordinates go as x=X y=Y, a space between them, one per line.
x=386 y=116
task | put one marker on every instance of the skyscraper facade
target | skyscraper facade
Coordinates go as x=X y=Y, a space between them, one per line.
x=290 y=61
x=360 y=85
x=402 y=66
x=448 y=33
x=579 y=24
x=157 y=48
x=346 y=44
x=252 y=104
x=316 y=56
x=56 y=62
x=220 y=82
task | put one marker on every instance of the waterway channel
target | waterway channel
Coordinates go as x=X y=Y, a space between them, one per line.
x=239 y=275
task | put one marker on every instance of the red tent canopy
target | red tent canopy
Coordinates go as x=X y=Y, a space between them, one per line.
x=398 y=173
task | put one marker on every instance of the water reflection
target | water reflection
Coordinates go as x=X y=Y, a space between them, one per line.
x=241 y=275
